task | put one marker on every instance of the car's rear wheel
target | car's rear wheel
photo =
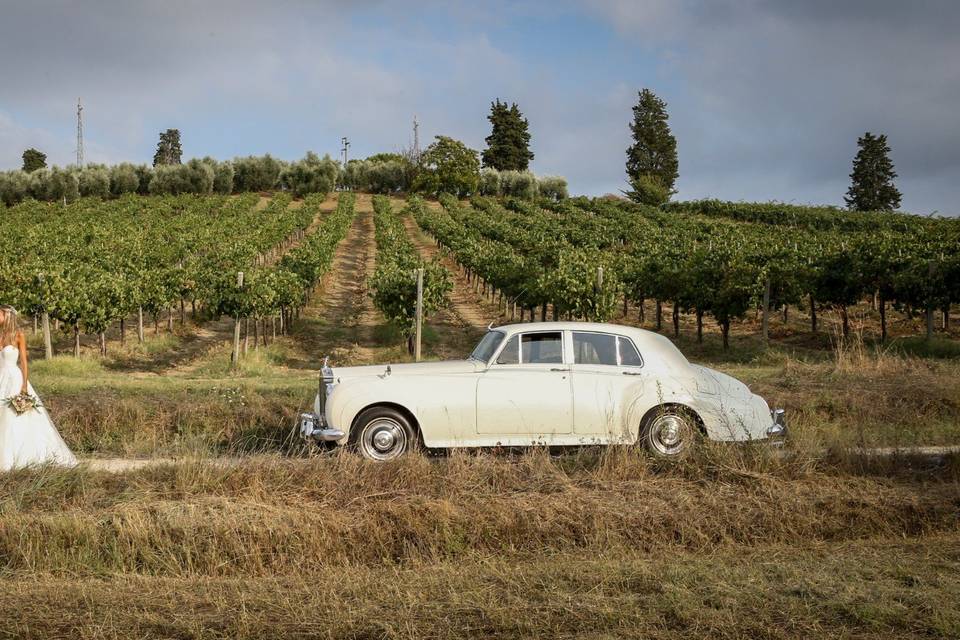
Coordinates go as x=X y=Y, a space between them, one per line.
x=669 y=432
x=383 y=433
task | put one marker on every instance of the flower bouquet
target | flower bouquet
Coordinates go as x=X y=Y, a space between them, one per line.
x=22 y=402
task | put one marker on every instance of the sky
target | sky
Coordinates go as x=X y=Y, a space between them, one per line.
x=766 y=99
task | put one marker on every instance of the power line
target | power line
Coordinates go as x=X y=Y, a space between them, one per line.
x=79 y=133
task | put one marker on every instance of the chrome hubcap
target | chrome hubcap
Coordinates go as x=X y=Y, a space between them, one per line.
x=669 y=433
x=384 y=439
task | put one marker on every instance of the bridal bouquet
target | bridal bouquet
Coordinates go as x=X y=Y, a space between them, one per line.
x=23 y=402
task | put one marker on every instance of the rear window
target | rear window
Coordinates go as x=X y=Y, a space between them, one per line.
x=629 y=357
x=594 y=348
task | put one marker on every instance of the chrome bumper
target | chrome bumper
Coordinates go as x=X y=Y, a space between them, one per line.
x=312 y=427
x=777 y=432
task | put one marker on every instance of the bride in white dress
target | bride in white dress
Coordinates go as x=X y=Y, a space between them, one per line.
x=29 y=438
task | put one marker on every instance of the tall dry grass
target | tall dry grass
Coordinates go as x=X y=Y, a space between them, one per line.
x=271 y=517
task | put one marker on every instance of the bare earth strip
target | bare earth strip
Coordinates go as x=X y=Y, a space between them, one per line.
x=457 y=328
x=120 y=465
x=339 y=320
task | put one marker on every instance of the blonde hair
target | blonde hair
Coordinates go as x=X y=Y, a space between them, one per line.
x=8 y=326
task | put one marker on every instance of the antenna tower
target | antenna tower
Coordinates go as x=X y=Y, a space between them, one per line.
x=416 y=137
x=79 y=133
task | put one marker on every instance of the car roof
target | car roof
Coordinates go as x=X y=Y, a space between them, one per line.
x=653 y=346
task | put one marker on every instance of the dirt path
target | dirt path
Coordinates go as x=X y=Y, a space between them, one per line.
x=120 y=465
x=340 y=320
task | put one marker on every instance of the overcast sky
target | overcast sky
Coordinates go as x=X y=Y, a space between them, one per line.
x=766 y=99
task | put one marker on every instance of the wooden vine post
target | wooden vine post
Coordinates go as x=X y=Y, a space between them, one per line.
x=765 y=323
x=235 y=356
x=419 y=316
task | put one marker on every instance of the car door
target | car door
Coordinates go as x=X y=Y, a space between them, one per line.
x=527 y=388
x=607 y=378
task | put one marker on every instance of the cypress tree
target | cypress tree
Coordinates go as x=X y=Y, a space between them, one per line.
x=33 y=160
x=508 y=145
x=652 y=166
x=871 y=182
x=168 y=149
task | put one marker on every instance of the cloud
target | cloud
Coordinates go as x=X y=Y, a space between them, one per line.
x=767 y=99
x=776 y=93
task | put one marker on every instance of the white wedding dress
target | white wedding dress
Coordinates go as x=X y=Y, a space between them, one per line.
x=30 y=438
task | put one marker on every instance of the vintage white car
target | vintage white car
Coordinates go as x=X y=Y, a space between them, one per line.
x=547 y=384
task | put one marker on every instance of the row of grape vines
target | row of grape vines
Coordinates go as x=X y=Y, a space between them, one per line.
x=394 y=282
x=553 y=254
x=282 y=289
x=92 y=264
x=822 y=218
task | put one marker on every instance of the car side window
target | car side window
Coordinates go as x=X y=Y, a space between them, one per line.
x=511 y=352
x=541 y=348
x=594 y=348
x=629 y=357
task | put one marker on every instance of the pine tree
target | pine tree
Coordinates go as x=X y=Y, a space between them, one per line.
x=33 y=160
x=871 y=183
x=168 y=149
x=508 y=145
x=652 y=166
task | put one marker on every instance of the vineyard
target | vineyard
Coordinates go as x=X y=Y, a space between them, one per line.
x=394 y=281
x=94 y=264
x=580 y=257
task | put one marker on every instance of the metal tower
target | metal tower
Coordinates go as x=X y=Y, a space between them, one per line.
x=346 y=145
x=416 y=137
x=79 y=133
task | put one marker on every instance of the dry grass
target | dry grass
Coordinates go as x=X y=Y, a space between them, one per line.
x=269 y=517
x=871 y=589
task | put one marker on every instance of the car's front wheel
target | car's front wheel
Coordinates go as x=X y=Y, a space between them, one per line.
x=669 y=432
x=383 y=433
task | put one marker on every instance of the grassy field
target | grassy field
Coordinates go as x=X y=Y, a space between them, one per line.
x=252 y=534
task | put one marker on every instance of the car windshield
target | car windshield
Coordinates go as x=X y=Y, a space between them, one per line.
x=487 y=347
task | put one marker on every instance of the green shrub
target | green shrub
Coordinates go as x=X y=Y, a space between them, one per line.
x=310 y=175
x=519 y=184
x=144 y=175
x=54 y=184
x=124 y=179
x=256 y=173
x=489 y=182
x=222 y=177
x=552 y=188
x=94 y=181
x=14 y=187
x=449 y=166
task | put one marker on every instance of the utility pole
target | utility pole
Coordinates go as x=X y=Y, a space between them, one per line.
x=346 y=145
x=79 y=133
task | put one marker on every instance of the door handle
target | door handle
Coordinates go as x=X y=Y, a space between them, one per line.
x=632 y=373
x=559 y=369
